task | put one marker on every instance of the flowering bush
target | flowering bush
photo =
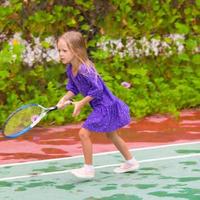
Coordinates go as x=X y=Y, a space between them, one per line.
x=146 y=52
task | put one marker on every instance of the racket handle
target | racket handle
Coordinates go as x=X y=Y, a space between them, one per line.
x=56 y=107
x=52 y=108
x=68 y=102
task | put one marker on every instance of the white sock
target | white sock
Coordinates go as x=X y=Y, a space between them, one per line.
x=89 y=167
x=131 y=161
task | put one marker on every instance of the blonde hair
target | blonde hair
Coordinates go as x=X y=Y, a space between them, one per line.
x=77 y=45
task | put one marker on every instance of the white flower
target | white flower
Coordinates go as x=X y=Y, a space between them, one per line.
x=155 y=46
x=35 y=52
x=6 y=3
x=51 y=40
x=52 y=54
x=2 y=37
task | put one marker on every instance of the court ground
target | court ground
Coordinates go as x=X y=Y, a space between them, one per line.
x=169 y=172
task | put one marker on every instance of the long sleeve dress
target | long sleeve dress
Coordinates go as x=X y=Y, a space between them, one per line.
x=109 y=112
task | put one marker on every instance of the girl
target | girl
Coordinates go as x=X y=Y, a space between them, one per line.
x=109 y=113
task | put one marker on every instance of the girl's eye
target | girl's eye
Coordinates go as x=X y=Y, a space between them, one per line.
x=62 y=50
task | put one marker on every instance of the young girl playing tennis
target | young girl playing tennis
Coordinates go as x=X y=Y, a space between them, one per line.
x=109 y=113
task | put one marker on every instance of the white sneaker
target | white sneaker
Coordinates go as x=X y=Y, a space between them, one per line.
x=126 y=167
x=83 y=173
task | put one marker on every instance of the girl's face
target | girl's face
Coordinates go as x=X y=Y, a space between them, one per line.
x=66 y=56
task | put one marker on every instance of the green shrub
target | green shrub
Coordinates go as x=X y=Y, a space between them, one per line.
x=165 y=83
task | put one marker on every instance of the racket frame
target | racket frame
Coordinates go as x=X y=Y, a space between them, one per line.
x=26 y=129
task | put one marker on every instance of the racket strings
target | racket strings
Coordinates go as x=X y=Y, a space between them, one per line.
x=22 y=119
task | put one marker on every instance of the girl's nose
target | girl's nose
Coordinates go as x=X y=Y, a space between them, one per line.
x=61 y=54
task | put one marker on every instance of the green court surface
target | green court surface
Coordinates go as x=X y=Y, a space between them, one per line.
x=167 y=172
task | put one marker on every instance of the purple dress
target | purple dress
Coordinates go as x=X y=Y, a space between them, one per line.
x=109 y=113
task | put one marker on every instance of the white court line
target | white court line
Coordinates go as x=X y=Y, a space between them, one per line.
x=97 y=167
x=98 y=154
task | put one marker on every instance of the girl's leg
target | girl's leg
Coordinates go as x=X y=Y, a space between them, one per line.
x=84 y=135
x=120 y=144
x=88 y=170
x=131 y=163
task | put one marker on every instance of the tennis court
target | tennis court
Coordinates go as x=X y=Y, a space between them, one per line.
x=142 y=53
x=167 y=172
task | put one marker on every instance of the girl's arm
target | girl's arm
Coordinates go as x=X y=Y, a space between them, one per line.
x=86 y=100
x=80 y=104
x=64 y=99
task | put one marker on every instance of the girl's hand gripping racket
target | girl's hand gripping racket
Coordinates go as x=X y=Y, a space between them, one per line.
x=25 y=118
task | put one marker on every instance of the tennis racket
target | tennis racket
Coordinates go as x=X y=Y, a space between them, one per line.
x=24 y=119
